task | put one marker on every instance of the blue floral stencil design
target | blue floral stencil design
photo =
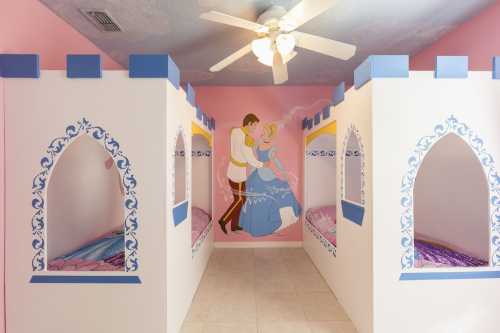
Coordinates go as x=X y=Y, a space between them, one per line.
x=38 y=221
x=325 y=242
x=353 y=153
x=424 y=145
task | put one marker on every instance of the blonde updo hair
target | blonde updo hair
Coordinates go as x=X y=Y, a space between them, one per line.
x=271 y=130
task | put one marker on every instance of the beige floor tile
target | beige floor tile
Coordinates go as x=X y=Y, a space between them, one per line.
x=331 y=327
x=229 y=328
x=281 y=306
x=284 y=327
x=274 y=283
x=192 y=328
x=308 y=282
x=319 y=306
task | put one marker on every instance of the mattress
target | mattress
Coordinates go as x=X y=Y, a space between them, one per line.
x=107 y=253
x=324 y=220
x=429 y=254
x=200 y=220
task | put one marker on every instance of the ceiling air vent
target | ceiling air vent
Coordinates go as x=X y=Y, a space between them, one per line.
x=101 y=19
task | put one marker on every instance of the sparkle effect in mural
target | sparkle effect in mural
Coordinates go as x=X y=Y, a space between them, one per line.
x=54 y=150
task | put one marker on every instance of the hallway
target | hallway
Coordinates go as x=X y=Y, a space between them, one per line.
x=264 y=291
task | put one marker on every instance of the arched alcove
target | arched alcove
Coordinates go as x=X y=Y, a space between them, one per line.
x=353 y=170
x=201 y=180
x=451 y=206
x=180 y=170
x=84 y=204
x=321 y=186
x=321 y=168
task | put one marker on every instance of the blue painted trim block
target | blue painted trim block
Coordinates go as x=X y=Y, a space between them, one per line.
x=353 y=212
x=304 y=123
x=317 y=118
x=205 y=120
x=338 y=94
x=212 y=121
x=154 y=66
x=83 y=66
x=191 y=95
x=449 y=276
x=199 y=114
x=326 y=112
x=452 y=67
x=496 y=68
x=19 y=65
x=382 y=66
x=85 y=279
x=180 y=213
x=309 y=123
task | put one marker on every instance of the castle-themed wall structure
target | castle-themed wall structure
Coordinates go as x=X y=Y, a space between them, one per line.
x=399 y=117
x=136 y=117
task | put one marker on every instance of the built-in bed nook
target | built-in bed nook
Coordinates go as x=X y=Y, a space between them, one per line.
x=320 y=216
x=201 y=173
x=102 y=177
x=85 y=215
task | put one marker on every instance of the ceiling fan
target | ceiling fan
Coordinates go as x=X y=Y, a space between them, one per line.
x=277 y=37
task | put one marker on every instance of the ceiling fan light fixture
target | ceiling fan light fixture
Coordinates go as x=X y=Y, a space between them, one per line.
x=266 y=60
x=261 y=47
x=285 y=43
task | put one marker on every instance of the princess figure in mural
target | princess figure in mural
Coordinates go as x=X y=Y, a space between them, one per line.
x=270 y=203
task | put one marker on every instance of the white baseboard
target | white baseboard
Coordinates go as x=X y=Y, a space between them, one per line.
x=256 y=245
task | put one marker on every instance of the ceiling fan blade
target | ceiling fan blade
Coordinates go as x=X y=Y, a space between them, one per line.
x=324 y=46
x=280 y=72
x=232 y=58
x=305 y=11
x=234 y=21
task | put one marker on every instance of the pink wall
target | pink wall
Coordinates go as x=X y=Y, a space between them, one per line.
x=27 y=26
x=271 y=104
x=476 y=38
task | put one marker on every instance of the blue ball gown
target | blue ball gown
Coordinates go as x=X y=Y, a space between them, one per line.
x=270 y=203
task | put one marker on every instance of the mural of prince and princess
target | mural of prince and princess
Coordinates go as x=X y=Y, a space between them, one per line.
x=263 y=202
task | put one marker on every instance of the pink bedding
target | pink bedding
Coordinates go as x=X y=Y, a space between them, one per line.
x=324 y=220
x=200 y=220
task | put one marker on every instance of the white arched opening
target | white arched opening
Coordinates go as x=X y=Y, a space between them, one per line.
x=451 y=207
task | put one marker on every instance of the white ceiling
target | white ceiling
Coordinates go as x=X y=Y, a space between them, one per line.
x=174 y=27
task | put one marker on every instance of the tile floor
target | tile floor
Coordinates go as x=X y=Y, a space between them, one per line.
x=264 y=291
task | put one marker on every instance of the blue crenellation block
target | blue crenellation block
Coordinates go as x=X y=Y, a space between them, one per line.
x=212 y=121
x=19 y=65
x=199 y=113
x=205 y=120
x=83 y=66
x=452 y=67
x=338 y=94
x=382 y=66
x=326 y=112
x=154 y=66
x=304 y=123
x=309 y=123
x=317 y=118
x=496 y=68
x=191 y=95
